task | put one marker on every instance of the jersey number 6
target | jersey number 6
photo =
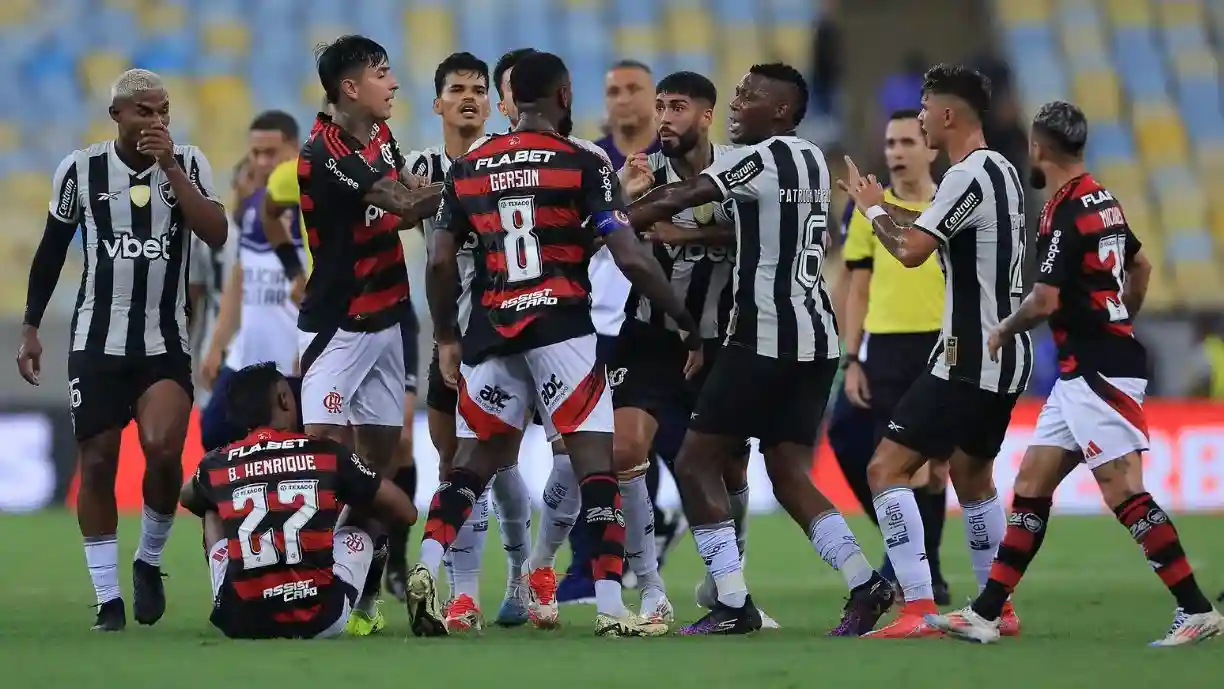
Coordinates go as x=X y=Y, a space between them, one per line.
x=810 y=261
x=255 y=496
x=522 y=247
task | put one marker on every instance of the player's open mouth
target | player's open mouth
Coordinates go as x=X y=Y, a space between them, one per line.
x=469 y=109
x=896 y=168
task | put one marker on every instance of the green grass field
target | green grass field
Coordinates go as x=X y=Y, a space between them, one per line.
x=1088 y=607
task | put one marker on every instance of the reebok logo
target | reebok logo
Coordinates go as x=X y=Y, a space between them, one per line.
x=130 y=247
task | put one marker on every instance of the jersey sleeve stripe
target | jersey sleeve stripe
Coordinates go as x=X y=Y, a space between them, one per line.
x=335 y=146
x=519 y=141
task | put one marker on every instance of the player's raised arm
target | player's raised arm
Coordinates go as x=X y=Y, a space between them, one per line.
x=63 y=216
x=197 y=197
x=912 y=244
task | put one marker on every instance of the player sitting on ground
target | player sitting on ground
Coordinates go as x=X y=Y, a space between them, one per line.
x=1091 y=281
x=531 y=342
x=282 y=565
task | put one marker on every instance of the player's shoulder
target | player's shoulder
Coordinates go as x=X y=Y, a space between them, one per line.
x=656 y=160
x=721 y=150
x=82 y=155
x=478 y=143
x=591 y=147
x=188 y=151
x=418 y=161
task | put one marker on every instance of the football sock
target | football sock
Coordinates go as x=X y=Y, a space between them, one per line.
x=512 y=503
x=739 y=514
x=641 y=550
x=716 y=546
x=985 y=526
x=368 y=602
x=465 y=553
x=653 y=474
x=102 y=557
x=1153 y=530
x=836 y=545
x=562 y=502
x=450 y=508
x=154 y=532
x=397 y=545
x=934 y=509
x=901 y=525
x=1026 y=529
x=605 y=522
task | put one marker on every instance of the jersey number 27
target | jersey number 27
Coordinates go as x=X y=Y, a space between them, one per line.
x=255 y=497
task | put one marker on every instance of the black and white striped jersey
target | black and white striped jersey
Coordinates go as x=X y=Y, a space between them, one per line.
x=699 y=274
x=433 y=163
x=133 y=295
x=781 y=305
x=978 y=218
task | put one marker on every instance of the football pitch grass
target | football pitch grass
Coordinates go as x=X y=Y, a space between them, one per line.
x=1088 y=607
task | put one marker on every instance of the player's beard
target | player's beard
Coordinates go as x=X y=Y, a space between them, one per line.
x=566 y=125
x=1037 y=178
x=684 y=143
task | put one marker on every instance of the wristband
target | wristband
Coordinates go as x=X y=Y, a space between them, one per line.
x=288 y=256
x=849 y=359
x=875 y=212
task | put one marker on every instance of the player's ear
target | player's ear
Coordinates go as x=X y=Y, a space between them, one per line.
x=437 y=106
x=501 y=107
x=114 y=113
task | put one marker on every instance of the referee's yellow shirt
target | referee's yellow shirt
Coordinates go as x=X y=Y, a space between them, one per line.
x=902 y=300
x=283 y=190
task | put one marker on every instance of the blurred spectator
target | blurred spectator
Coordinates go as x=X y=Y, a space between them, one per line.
x=822 y=122
x=903 y=90
x=1209 y=382
x=629 y=99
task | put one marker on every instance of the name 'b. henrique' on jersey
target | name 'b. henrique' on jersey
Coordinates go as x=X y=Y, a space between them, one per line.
x=781 y=192
x=977 y=217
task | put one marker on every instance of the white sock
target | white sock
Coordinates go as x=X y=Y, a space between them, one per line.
x=154 y=532
x=985 y=524
x=102 y=557
x=562 y=502
x=716 y=546
x=739 y=514
x=466 y=552
x=836 y=545
x=901 y=525
x=608 y=598
x=512 y=504
x=431 y=555
x=641 y=551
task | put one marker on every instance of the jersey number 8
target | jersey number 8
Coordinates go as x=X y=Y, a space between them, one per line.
x=522 y=247
x=255 y=496
x=810 y=261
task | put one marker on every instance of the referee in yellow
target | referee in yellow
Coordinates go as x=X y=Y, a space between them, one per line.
x=893 y=316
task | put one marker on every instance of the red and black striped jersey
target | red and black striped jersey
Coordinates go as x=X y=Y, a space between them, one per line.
x=359 y=281
x=279 y=495
x=1084 y=246
x=527 y=197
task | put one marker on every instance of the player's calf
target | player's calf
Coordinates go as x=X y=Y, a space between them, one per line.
x=629 y=454
x=98 y=519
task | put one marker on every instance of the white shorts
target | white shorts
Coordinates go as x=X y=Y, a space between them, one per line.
x=352 y=553
x=355 y=378
x=1101 y=417
x=566 y=382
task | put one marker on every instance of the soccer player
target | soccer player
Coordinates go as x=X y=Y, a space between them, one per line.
x=256 y=320
x=355 y=198
x=1092 y=277
x=773 y=377
x=961 y=407
x=461 y=83
x=536 y=200
x=281 y=564
x=137 y=200
x=892 y=322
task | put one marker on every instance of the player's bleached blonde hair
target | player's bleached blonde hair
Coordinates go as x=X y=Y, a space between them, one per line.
x=134 y=81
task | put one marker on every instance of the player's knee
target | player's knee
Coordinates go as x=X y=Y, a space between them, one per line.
x=974 y=479
x=162 y=445
x=883 y=473
x=629 y=458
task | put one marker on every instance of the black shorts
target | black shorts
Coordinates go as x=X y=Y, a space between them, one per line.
x=894 y=362
x=710 y=350
x=772 y=400
x=104 y=388
x=937 y=416
x=238 y=619
x=438 y=396
x=410 y=328
x=647 y=369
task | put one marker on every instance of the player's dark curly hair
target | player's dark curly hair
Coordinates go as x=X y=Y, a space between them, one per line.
x=506 y=63
x=248 y=395
x=960 y=81
x=780 y=71
x=276 y=121
x=456 y=63
x=689 y=84
x=340 y=58
x=536 y=77
x=1063 y=126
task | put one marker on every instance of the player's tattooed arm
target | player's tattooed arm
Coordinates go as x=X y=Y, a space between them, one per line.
x=902 y=216
x=1138 y=274
x=661 y=203
x=411 y=205
x=908 y=244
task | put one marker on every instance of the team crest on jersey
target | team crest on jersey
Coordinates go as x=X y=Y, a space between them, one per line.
x=139 y=195
x=166 y=192
x=387 y=156
x=704 y=214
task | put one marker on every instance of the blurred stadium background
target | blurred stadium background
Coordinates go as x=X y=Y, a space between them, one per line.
x=1147 y=72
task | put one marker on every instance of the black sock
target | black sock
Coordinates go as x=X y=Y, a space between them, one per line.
x=934 y=510
x=373 y=582
x=397 y=544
